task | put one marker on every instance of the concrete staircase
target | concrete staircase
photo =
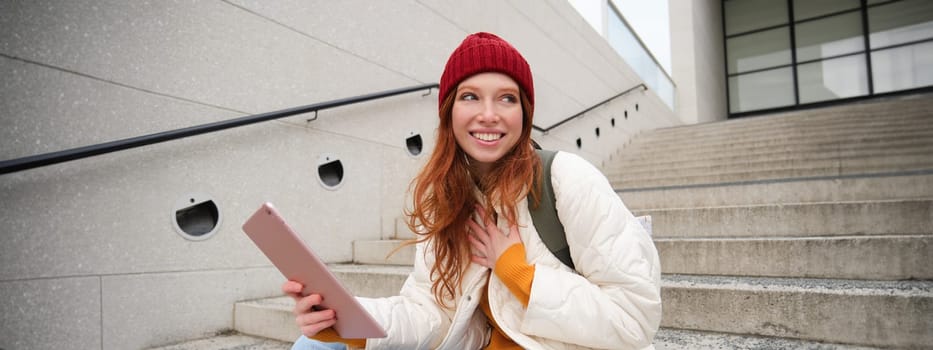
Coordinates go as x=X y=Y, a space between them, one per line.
x=815 y=225
x=810 y=229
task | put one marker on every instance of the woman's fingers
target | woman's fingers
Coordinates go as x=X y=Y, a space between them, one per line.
x=482 y=214
x=488 y=242
x=480 y=261
x=310 y=330
x=478 y=246
x=313 y=322
x=478 y=231
x=481 y=243
x=489 y=226
x=316 y=317
x=304 y=305
x=292 y=289
x=513 y=236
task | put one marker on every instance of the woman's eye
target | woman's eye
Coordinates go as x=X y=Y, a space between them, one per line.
x=509 y=99
x=468 y=97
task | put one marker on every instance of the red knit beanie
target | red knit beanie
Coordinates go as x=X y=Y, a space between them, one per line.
x=485 y=52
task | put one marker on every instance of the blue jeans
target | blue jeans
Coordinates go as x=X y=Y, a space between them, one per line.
x=304 y=343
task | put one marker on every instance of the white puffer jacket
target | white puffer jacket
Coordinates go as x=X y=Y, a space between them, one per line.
x=612 y=301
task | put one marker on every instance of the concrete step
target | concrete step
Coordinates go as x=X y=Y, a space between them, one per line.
x=916 y=161
x=867 y=313
x=886 y=217
x=680 y=339
x=402 y=232
x=807 y=121
x=813 y=118
x=817 y=146
x=383 y=252
x=777 y=175
x=270 y=318
x=888 y=257
x=676 y=161
x=230 y=341
x=892 y=110
x=623 y=166
x=789 y=134
x=767 y=128
x=829 y=189
x=666 y=338
x=371 y=280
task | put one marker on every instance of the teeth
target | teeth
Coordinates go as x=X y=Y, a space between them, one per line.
x=487 y=136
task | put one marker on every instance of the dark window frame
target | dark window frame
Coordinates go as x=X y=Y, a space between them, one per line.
x=791 y=24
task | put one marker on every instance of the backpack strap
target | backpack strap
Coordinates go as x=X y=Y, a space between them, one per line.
x=545 y=216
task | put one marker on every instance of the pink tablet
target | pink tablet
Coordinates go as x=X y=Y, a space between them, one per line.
x=297 y=262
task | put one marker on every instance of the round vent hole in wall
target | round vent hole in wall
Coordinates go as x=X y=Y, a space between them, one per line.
x=330 y=172
x=196 y=217
x=414 y=143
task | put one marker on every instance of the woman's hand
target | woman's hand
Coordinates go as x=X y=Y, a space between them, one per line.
x=309 y=318
x=488 y=242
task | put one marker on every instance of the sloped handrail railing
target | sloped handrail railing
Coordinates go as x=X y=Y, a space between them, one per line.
x=547 y=129
x=29 y=162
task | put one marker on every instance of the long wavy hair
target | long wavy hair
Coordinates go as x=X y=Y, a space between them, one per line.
x=443 y=200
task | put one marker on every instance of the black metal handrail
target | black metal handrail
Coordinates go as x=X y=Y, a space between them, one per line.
x=545 y=130
x=30 y=162
x=19 y=164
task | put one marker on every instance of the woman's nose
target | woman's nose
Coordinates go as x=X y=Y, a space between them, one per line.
x=489 y=112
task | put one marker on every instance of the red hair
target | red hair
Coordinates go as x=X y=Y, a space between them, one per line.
x=443 y=200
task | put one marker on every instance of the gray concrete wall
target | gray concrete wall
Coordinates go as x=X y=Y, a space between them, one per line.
x=89 y=256
x=698 y=60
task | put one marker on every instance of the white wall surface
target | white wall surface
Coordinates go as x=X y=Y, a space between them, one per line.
x=698 y=61
x=89 y=258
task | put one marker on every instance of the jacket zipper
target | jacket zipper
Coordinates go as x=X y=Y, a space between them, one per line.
x=460 y=310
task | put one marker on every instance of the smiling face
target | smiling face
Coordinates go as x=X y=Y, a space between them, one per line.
x=487 y=118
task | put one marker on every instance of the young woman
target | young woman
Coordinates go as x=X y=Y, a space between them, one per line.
x=483 y=278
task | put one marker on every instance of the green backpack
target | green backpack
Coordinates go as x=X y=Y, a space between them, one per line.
x=545 y=216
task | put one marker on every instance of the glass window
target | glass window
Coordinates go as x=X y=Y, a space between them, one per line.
x=900 y=22
x=759 y=50
x=804 y=9
x=832 y=79
x=746 y=15
x=828 y=37
x=627 y=45
x=902 y=68
x=761 y=90
x=624 y=41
